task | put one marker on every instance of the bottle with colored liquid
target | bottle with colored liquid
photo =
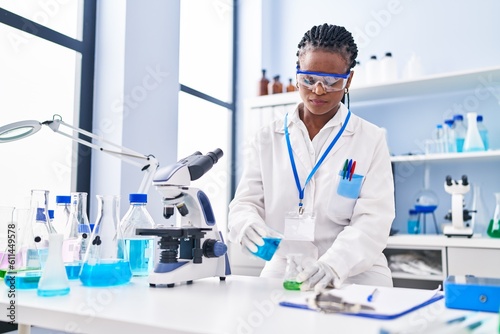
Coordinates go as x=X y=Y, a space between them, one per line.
x=54 y=281
x=460 y=131
x=473 y=141
x=104 y=265
x=140 y=249
x=293 y=267
x=76 y=235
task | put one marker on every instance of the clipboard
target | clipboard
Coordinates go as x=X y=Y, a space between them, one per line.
x=391 y=303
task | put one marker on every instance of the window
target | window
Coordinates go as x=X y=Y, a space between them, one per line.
x=47 y=68
x=206 y=103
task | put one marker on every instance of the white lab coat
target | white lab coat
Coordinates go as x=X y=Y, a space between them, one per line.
x=350 y=234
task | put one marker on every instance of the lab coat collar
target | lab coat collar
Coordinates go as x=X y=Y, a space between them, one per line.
x=337 y=120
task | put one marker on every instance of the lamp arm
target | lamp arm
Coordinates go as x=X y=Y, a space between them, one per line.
x=123 y=153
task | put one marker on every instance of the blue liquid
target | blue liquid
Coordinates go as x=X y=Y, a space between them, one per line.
x=460 y=144
x=23 y=280
x=52 y=293
x=106 y=274
x=73 y=270
x=140 y=255
x=267 y=251
x=413 y=227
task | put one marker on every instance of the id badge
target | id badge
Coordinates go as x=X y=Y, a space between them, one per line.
x=300 y=227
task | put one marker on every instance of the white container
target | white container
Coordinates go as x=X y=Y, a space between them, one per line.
x=372 y=71
x=388 y=68
x=359 y=76
x=413 y=69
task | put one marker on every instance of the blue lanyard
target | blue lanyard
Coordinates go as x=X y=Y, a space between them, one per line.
x=320 y=161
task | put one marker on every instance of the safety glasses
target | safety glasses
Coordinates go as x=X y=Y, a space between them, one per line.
x=330 y=82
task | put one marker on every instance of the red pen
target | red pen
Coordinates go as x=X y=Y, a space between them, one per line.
x=351 y=173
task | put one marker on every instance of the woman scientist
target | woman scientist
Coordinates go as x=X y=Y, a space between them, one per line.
x=321 y=176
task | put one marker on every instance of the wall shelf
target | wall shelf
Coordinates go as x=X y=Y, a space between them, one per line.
x=428 y=85
x=487 y=155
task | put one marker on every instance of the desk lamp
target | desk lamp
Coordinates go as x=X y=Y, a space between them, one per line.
x=23 y=129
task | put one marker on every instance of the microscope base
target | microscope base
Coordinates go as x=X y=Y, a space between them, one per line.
x=451 y=231
x=211 y=267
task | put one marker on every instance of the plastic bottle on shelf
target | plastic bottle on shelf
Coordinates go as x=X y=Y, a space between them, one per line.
x=413 y=223
x=359 y=75
x=372 y=73
x=460 y=131
x=483 y=131
x=140 y=249
x=413 y=69
x=473 y=141
x=439 y=139
x=61 y=213
x=388 y=68
x=449 y=134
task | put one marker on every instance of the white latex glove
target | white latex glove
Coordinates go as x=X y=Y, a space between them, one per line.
x=317 y=276
x=251 y=236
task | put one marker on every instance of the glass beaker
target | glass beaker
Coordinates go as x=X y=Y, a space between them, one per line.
x=293 y=267
x=8 y=231
x=76 y=235
x=494 y=226
x=106 y=263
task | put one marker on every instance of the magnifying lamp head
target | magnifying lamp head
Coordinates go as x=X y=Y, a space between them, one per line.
x=18 y=130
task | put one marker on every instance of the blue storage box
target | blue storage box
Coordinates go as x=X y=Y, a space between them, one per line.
x=472 y=293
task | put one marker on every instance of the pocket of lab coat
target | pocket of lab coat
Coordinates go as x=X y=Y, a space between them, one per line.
x=343 y=196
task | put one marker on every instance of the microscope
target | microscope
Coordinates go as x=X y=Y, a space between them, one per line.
x=195 y=249
x=458 y=215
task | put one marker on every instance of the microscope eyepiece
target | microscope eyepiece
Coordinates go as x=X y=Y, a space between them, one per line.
x=448 y=181
x=465 y=181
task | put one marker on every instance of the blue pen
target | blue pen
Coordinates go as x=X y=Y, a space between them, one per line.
x=372 y=296
x=349 y=165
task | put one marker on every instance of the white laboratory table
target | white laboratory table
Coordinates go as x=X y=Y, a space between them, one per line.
x=241 y=305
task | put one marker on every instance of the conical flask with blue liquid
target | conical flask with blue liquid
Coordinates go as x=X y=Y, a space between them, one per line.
x=54 y=281
x=105 y=262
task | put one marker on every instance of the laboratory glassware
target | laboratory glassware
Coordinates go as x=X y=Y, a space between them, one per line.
x=483 y=131
x=473 y=141
x=105 y=262
x=449 y=134
x=494 y=226
x=54 y=281
x=413 y=222
x=479 y=211
x=139 y=248
x=61 y=213
x=293 y=268
x=263 y=84
x=460 y=131
x=76 y=235
x=7 y=233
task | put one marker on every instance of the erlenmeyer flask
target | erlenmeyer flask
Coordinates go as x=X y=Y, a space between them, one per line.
x=34 y=246
x=76 y=235
x=106 y=263
x=494 y=226
x=54 y=281
x=8 y=231
x=480 y=214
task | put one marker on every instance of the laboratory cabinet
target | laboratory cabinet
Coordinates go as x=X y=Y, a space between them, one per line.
x=260 y=111
x=448 y=256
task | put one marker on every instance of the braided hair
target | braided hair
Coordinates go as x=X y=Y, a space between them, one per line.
x=330 y=38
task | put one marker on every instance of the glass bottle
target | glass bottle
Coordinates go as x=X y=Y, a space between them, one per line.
x=494 y=226
x=54 y=281
x=263 y=84
x=290 y=87
x=277 y=86
x=460 y=131
x=483 y=131
x=61 y=213
x=451 y=144
x=413 y=222
x=138 y=248
x=104 y=264
x=473 y=141
x=293 y=267
x=76 y=235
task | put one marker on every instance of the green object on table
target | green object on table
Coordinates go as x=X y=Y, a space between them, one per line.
x=292 y=285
